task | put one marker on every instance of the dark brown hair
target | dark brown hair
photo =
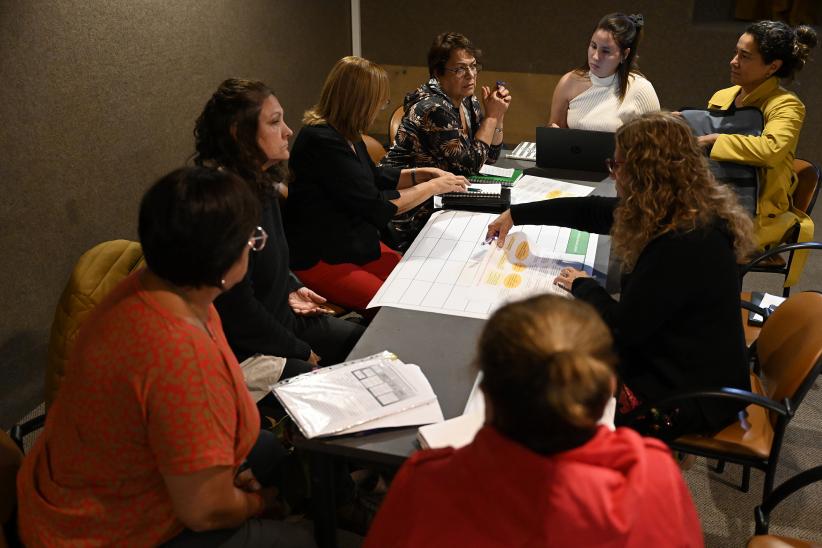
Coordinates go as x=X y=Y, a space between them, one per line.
x=441 y=49
x=547 y=365
x=225 y=133
x=194 y=224
x=776 y=40
x=627 y=32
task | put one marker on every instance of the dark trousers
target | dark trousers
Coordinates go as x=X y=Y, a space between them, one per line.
x=265 y=460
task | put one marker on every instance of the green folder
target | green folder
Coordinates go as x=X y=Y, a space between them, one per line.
x=505 y=181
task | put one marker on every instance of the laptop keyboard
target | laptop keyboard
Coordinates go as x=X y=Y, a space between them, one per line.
x=524 y=151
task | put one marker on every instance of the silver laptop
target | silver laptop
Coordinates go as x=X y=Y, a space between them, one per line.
x=574 y=149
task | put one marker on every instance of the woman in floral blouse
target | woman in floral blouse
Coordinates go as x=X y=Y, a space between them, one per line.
x=443 y=124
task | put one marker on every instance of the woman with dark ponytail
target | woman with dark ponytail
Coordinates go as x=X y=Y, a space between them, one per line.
x=542 y=471
x=766 y=53
x=608 y=89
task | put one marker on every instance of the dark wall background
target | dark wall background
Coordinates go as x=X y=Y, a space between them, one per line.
x=98 y=100
x=685 y=61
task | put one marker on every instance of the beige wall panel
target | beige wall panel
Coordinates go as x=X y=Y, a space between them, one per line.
x=686 y=62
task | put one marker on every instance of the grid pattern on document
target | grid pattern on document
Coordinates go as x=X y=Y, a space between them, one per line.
x=385 y=386
x=438 y=270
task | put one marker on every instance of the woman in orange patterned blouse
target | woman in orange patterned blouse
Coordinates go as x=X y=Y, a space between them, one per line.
x=147 y=438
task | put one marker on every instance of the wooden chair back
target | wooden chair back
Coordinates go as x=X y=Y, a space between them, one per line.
x=807 y=188
x=789 y=346
x=394 y=123
x=375 y=149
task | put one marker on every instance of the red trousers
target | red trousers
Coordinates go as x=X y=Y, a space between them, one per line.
x=350 y=285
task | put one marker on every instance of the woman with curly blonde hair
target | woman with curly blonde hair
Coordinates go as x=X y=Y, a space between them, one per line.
x=679 y=235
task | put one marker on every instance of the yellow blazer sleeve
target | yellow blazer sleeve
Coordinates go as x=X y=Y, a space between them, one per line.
x=783 y=121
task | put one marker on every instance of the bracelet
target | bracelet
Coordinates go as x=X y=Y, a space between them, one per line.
x=497 y=130
x=413 y=176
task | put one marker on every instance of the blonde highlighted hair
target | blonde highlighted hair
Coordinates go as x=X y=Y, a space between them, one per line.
x=354 y=92
x=665 y=185
x=547 y=366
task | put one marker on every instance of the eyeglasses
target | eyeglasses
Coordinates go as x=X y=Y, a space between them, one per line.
x=463 y=70
x=613 y=165
x=258 y=239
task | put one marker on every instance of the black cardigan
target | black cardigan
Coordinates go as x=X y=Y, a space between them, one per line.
x=677 y=324
x=337 y=201
x=255 y=313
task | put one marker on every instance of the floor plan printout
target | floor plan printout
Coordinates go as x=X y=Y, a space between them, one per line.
x=448 y=269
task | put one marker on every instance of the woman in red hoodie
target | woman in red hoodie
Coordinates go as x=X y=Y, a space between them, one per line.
x=541 y=472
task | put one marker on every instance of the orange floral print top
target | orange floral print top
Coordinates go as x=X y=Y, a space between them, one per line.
x=145 y=394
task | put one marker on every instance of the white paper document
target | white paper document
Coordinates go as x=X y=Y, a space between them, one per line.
x=496 y=171
x=534 y=189
x=449 y=270
x=379 y=391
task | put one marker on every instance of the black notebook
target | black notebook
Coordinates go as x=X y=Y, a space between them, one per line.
x=493 y=199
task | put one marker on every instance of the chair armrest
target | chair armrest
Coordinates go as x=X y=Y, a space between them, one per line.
x=776 y=251
x=724 y=393
x=762 y=512
x=20 y=431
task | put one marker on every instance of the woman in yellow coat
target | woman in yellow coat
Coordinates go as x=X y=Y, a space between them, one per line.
x=767 y=52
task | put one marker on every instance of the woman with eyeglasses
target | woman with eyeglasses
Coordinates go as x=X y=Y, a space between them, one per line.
x=242 y=130
x=443 y=124
x=338 y=200
x=767 y=53
x=608 y=89
x=678 y=234
x=150 y=434
x=542 y=471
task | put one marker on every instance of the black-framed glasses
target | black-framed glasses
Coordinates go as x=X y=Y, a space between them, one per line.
x=613 y=165
x=463 y=70
x=258 y=239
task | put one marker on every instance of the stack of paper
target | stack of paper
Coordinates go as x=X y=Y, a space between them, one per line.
x=379 y=391
x=460 y=431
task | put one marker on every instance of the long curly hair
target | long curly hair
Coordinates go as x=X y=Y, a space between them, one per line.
x=665 y=185
x=225 y=133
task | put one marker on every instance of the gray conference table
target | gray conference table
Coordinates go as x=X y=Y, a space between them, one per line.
x=443 y=346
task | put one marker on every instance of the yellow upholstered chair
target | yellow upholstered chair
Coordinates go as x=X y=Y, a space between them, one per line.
x=96 y=273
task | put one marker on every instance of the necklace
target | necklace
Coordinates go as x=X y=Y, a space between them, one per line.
x=197 y=321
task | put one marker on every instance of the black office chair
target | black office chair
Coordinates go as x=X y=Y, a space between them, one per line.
x=763 y=511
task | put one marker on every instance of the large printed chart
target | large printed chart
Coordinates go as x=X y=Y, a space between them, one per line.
x=448 y=269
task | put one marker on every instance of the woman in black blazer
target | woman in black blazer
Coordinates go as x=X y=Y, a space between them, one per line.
x=338 y=200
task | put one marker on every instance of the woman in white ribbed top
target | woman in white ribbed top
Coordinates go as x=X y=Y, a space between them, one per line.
x=608 y=90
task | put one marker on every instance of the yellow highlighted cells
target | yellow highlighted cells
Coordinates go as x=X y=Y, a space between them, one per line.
x=512 y=280
x=518 y=267
x=553 y=194
x=494 y=277
x=522 y=252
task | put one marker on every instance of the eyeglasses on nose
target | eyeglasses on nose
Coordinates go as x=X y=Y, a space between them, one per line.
x=613 y=165
x=463 y=70
x=258 y=239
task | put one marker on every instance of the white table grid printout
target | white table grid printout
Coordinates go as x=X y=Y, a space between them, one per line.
x=449 y=270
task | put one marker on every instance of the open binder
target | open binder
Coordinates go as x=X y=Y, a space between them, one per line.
x=379 y=391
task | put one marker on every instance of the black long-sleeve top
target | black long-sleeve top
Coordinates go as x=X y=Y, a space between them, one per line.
x=255 y=313
x=337 y=201
x=676 y=325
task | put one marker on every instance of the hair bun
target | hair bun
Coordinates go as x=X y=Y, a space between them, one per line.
x=806 y=36
x=637 y=19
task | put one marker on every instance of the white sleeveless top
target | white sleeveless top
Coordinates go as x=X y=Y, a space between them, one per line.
x=598 y=108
